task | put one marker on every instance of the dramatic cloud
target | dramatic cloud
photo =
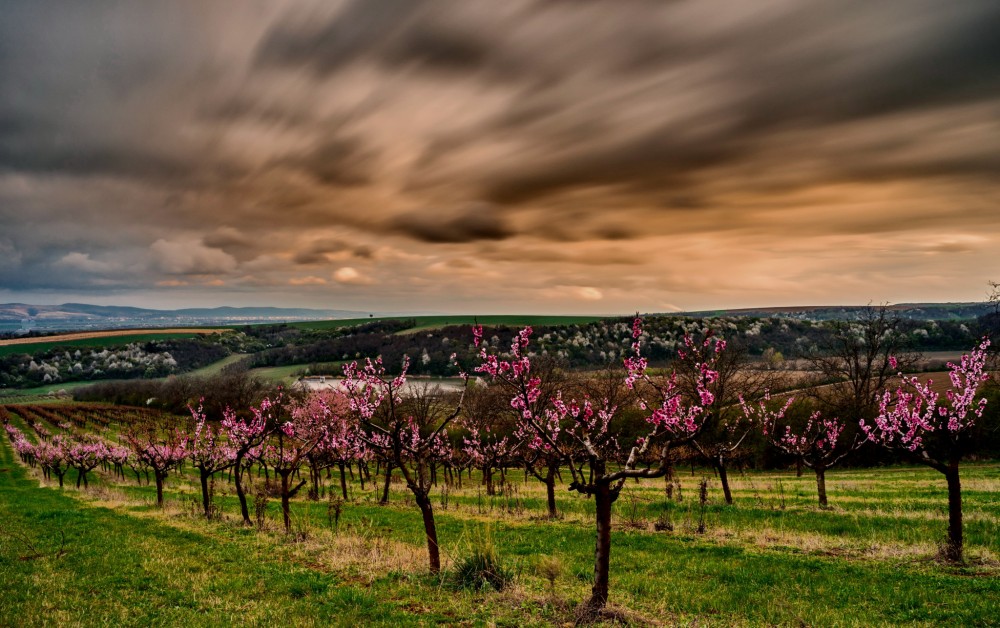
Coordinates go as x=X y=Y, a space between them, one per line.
x=513 y=156
x=190 y=258
x=82 y=261
x=349 y=275
x=475 y=223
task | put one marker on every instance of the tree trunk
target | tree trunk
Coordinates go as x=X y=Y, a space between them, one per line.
x=430 y=529
x=204 y=494
x=314 y=476
x=602 y=550
x=285 y=506
x=953 y=551
x=238 y=478
x=488 y=480
x=385 y=489
x=343 y=481
x=724 y=479
x=159 y=488
x=550 y=492
x=821 y=485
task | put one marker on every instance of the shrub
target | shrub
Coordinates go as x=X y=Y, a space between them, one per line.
x=482 y=566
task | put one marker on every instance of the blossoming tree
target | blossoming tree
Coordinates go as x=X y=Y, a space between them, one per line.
x=160 y=448
x=338 y=446
x=246 y=434
x=818 y=445
x=53 y=457
x=290 y=444
x=85 y=456
x=935 y=431
x=582 y=433
x=209 y=453
x=382 y=423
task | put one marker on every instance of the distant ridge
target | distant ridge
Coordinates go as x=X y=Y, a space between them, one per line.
x=917 y=311
x=74 y=316
x=19 y=318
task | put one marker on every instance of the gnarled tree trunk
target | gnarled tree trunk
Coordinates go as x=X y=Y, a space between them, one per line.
x=385 y=489
x=550 y=490
x=204 y=493
x=343 y=480
x=954 y=548
x=241 y=494
x=603 y=500
x=720 y=466
x=821 y=485
x=159 y=476
x=430 y=530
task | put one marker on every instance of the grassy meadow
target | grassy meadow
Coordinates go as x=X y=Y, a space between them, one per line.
x=108 y=555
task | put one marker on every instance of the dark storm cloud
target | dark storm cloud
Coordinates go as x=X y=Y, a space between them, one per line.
x=478 y=222
x=65 y=74
x=338 y=162
x=140 y=142
x=653 y=162
x=346 y=37
x=808 y=67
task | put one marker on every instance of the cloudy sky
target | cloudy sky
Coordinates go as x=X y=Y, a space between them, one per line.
x=483 y=156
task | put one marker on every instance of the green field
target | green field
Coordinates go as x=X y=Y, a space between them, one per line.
x=39 y=393
x=287 y=374
x=96 y=342
x=216 y=367
x=433 y=322
x=773 y=558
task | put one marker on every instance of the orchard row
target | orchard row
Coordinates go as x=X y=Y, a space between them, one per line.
x=520 y=412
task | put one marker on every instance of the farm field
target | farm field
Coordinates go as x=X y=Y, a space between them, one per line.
x=283 y=374
x=772 y=558
x=110 y=338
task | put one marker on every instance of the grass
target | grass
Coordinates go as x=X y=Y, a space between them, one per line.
x=288 y=374
x=216 y=367
x=434 y=322
x=41 y=393
x=774 y=558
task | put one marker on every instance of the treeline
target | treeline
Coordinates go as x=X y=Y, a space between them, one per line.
x=587 y=346
x=596 y=344
x=69 y=363
x=229 y=389
x=429 y=351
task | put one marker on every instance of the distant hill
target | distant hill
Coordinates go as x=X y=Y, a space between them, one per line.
x=19 y=318
x=914 y=311
x=72 y=316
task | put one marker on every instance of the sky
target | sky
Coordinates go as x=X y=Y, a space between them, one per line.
x=476 y=156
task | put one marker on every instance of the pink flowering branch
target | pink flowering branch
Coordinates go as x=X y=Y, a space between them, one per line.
x=376 y=401
x=914 y=411
x=917 y=420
